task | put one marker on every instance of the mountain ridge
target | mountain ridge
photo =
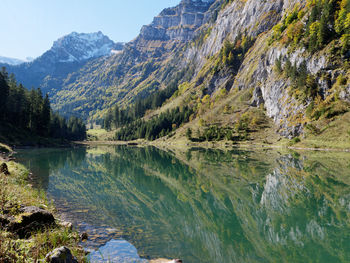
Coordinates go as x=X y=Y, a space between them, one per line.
x=81 y=46
x=236 y=64
x=66 y=55
x=125 y=77
x=11 y=61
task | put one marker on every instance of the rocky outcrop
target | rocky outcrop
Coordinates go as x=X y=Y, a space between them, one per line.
x=256 y=19
x=31 y=219
x=79 y=47
x=61 y=255
x=177 y=23
x=252 y=17
x=272 y=89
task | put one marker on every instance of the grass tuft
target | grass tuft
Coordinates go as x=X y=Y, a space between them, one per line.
x=16 y=191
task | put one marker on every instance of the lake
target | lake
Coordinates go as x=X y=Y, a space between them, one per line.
x=200 y=205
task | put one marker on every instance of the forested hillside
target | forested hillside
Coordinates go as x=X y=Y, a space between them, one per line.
x=26 y=115
x=285 y=71
x=68 y=54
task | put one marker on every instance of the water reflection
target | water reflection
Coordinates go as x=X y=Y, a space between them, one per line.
x=203 y=205
x=118 y=251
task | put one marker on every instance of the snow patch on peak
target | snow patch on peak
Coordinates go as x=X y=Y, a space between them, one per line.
x=87 y=36
x=77 y=47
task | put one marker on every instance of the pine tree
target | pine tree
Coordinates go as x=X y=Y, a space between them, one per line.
x=4 y=92
x=4 y=73
x=189 y=134
x=23 y=117
x=288 y=68
x=278 y=65
x=323 y=32
x=231 y=59
x=45 y=116
x=107 y=122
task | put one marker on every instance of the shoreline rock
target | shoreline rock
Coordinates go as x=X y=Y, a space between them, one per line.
x=61 y=255
x=31 y=219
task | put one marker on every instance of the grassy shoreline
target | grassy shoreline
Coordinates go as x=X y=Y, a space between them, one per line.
x=223 y=145
x=16 y=192
x=332 y=135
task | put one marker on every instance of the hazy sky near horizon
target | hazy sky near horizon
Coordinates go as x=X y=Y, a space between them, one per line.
x=29 y=28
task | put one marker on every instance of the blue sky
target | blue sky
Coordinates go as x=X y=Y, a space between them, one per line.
x=29 y=27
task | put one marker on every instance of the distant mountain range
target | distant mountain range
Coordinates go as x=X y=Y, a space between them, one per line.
x=82 y=71
x=77 y=47
x=67 y=55
x=12 y=61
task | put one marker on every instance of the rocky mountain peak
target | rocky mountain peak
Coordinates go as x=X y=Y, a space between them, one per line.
x=77 y=47
x=177 y=23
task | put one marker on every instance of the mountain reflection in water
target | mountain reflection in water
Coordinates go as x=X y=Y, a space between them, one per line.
x=201 y=205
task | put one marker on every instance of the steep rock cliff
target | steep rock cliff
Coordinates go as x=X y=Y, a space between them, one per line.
x=177 y=23
x=256 y=71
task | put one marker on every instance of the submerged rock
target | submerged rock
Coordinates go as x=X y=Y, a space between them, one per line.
x=61 y=255
x=31 y=219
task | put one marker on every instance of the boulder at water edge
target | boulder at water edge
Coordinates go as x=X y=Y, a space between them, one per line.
x=31 y=219
x=61 y=255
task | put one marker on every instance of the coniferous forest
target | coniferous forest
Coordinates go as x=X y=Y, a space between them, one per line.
x=29 y=111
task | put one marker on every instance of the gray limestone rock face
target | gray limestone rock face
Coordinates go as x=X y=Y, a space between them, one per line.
x=177 y=23
x=252 y=17
x=256 y=19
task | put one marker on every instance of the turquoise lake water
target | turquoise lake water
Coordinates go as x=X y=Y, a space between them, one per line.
x=200 y=205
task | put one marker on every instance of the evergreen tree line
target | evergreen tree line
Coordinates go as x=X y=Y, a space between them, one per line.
x=155 y=128
x=29 y=110
x=327 y=20
x=321 y=24
x=117 y=117
x=300 y=78
x=213 y=133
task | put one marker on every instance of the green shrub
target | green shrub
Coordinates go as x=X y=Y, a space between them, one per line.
x=293 y=141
